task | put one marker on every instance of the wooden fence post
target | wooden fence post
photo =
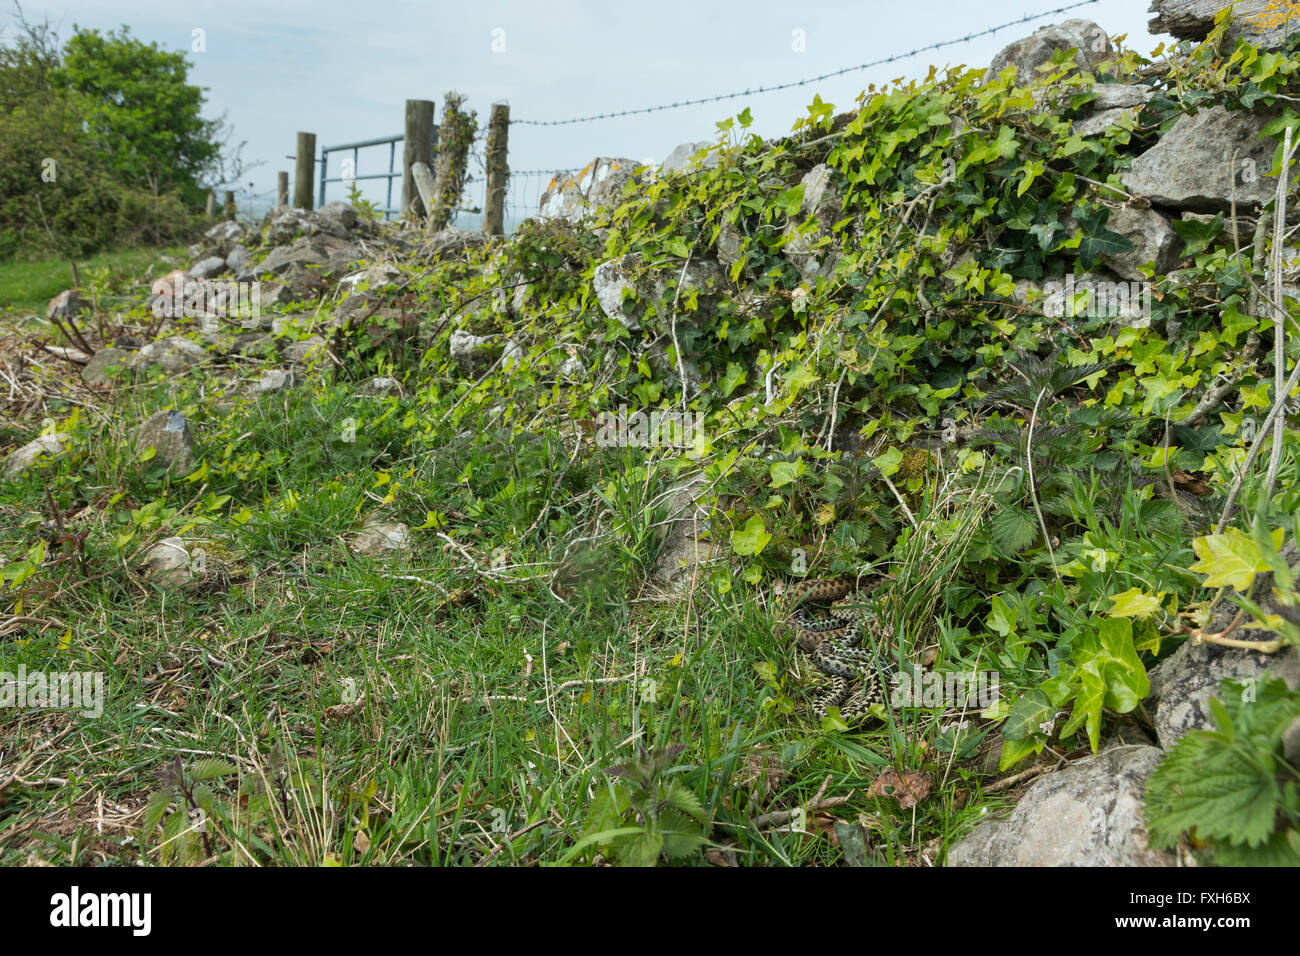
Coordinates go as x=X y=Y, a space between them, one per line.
x=212 y=205
x=281 y=190
x=230 y=208
x=417 y=147
x=304 y=171
x=498 y=172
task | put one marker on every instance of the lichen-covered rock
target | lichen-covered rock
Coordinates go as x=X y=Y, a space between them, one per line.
x=1088 y=40
x=168 y=562
x=1194 y=19
x=379 y=539
x=106 y=365
x=1184 y=682
x=1189 y=168
x=1089 y=814
x=168 y=433
x=172 y=354
x=822 y=204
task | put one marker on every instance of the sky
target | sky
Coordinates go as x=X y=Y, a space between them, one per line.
x=343 y=69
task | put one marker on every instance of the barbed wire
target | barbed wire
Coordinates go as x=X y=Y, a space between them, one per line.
x=806 y=82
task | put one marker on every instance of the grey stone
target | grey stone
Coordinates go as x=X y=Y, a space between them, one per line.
x=304 y=351
x=454 y=240
x=471 y=352
x=172 y=354
x=824 y=205
x=1115 y=96
x=729 y=242
x=380 y=539
x=274 y=380
x=1089 y=814
x=1187 y=680
x=1154 y=240
x=680 y=159
x=68 y=304
x=1087 y=39
x=168 y=433
x=337 y=218
x=684 y=553
x=106 y=365
x=287 y=224
x=382 y=385
x=609 y=280
x=1193 y=20
x=1098 y=123
x=168 y=562
x=1189 y=168
x=1291 y=743
x=208 y=268
x=237 y=258
x=26 y=456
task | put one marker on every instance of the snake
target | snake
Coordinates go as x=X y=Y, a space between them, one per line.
x=832 y=636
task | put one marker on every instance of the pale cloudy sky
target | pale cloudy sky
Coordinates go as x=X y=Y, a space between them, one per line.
x=343 y=68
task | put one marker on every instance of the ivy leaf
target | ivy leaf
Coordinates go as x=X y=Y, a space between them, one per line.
x=889 y=462
x=1096 y=240
x=786 y=472
x=1028 y=715
x=1134 y=603
x=790 y=201
x=1230 y=559
x=1198 y=235
x=734 y=377
x=751 y=539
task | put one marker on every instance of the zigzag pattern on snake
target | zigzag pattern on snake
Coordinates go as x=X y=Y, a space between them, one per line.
x=832 y=635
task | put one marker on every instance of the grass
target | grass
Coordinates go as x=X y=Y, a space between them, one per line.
x=459 y=704
x=27 y=286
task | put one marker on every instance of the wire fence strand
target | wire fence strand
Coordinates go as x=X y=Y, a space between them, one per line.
x=1028 y=18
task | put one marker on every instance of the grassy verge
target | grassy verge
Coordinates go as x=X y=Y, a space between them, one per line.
x=27 y=286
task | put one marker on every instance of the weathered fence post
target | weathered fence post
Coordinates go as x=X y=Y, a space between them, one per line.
x=417 y=147
x=425 y=183
x=304 y=170
x=212 y=205
x=494 y=202
x=230 y=208
x=281 y=189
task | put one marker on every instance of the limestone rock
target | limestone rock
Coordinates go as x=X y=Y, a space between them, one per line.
x=680 y=159
x=684 y=553
x=26 y=456
x=380 y=539
x=1087 y=39
x=168 y=433
x=609 y=280
x=208 y=268
x=1189 y=168
x=471 y=352
x=274 y=380
x=1089 y=814
x=168 y=562
x=1154 y=240
x=305 y=351
x=106 y=365
x=172 y=354
x=824 y=205
x=68 y=304
x=1193 y=20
